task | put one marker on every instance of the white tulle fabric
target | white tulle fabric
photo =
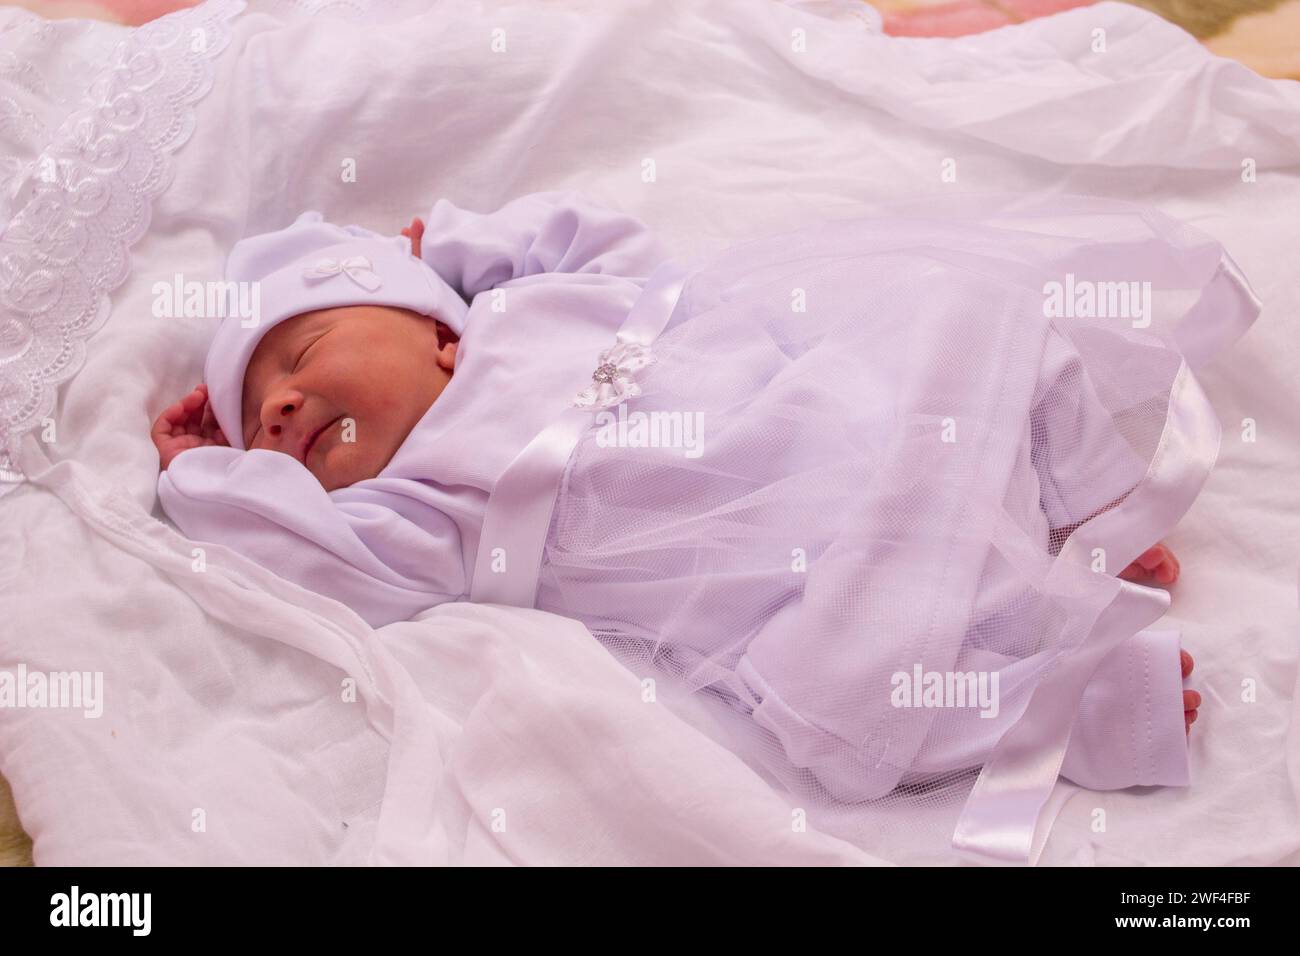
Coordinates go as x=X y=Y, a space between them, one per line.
x=896 y=442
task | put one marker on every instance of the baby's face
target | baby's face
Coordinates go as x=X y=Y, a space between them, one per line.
x=340 y=389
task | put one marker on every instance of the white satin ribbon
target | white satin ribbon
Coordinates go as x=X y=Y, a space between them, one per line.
x=1203 y=333
x=357 y=268
x=1006 y=818
x=518 y=515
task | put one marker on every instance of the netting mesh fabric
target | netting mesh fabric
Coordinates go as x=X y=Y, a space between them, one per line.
x=895 y=436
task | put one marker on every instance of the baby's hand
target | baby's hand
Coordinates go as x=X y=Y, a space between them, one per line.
x=1155 y=563
x=186 y=424
x=415 y=232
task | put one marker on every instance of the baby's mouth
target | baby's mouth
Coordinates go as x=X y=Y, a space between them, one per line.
x=311 y=441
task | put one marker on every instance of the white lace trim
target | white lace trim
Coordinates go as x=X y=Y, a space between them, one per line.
x=68 y=245
x=33 y=102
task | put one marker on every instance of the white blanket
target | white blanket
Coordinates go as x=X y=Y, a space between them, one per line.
x=246 y=720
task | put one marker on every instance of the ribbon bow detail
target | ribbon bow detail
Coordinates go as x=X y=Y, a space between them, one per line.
x=356 y=268
x=612 y=382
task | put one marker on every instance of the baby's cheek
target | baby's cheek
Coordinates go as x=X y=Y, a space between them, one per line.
x=371 y=392
x=333 y=468
x=346 y=461
x=387 y=406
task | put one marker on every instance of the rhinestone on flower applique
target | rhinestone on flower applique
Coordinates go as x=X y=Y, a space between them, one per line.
x=612 y=381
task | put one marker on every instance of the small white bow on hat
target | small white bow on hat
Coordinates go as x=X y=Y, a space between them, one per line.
x=356 y=268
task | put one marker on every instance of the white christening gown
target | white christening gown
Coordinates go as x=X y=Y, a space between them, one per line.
x=831 y=479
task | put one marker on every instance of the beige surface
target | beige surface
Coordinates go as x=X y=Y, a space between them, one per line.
x=15 y=848
x=1269 y=43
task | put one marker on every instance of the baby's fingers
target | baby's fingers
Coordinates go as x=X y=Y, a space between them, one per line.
x=185 y=416
x=209 y=422
x=184 y=443
x=171 y=417
x=209 y=430
x=179 y=412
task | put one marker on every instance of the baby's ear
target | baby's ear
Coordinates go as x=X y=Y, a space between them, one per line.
x=445 y=334
x=448 y=345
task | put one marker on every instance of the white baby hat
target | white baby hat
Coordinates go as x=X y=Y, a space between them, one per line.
x=310 y=265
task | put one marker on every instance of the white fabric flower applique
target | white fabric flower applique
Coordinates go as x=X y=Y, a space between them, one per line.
x=612 y=381
x=357 y=268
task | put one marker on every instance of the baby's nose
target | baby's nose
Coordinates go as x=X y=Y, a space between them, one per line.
x=286 y=409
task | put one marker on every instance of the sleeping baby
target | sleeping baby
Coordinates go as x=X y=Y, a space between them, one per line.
x=901 y=453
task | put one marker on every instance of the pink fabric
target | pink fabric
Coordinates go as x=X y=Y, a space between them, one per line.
x=947 y=20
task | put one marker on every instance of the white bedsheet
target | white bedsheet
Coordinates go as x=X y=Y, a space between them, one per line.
x=487 y=735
